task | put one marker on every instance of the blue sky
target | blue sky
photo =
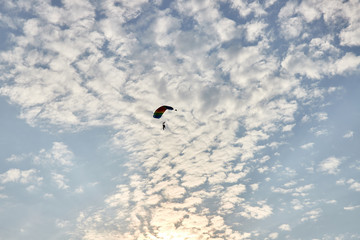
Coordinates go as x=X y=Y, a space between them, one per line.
x=264 y=143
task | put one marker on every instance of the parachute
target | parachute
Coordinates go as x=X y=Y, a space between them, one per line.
x=160 y=111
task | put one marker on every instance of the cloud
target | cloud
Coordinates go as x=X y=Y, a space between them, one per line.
x=349 y=62
x=48 y=196
x=330 y=165
x=322 y=116
x=174 y=191
x=313 y=65
x=295 y=191
x=274 y=235
x=58 y=155
x=307 y=146
x=20 y=176
x=354 y=185
x=60 y=180
x=312 y=215
x=349 y=134
x=245 y=8
x=351 y=208
x=255 y=186
x=49 y=164
x=235 y=83
x=229 y=199
x=350 y=35
x=285 y=227
x=256 y=212
x=16 y=158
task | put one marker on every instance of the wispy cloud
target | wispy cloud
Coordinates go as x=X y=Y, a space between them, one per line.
x=49 y=166
x=351 y=208
x=58 y=155
x=312 y=215
x=307 y=145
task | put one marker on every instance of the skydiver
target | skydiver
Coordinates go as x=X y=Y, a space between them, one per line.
x=164 y=126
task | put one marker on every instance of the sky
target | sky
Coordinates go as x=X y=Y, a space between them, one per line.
x=265 y=142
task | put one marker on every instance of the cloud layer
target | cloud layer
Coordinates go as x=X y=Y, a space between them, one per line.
x=238 y=72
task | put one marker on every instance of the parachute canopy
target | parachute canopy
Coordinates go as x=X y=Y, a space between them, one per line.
x=160 y=111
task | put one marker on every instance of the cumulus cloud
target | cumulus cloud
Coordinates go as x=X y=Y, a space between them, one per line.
x=257 y=212
x=20 y=176
x=285 y=227
x=330 y=165
x=353 y=185
x=274 y=235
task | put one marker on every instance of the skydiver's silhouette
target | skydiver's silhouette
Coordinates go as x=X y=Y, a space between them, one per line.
x=164 y=126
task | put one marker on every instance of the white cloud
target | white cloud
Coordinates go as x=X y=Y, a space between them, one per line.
x=309 y=11
x=292 y=27
x=174 y=191
x=48 y=196
x=321 y=116
x=295 y=191
x=312 y=215
x=297 y=204
x=60 y=180
x=255 y=30
x=320 y=132
x=244 y=8
x=120 y=198
x=330 y=165
x=288 y=10
x=20 y=176
x=164 y=28
x=288 y=128
x=58 y=155
x=353 y=185
x=230 y=198
x=79 y=190
x=350 y=35
x=310 y=60
x=16 y=158
x=3 y=196
x=349 y=62
x=256 y=212
x=307 y=146
x=349 y=134
x=285 y=227
x=351 y=208
x=274 y=235
x=111 y=63
x=254 y=186
x=62 y=223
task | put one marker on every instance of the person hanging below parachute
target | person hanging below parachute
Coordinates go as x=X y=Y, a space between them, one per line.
x=160 y=111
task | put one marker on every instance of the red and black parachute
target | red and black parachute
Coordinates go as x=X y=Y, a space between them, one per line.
x=160 y=111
